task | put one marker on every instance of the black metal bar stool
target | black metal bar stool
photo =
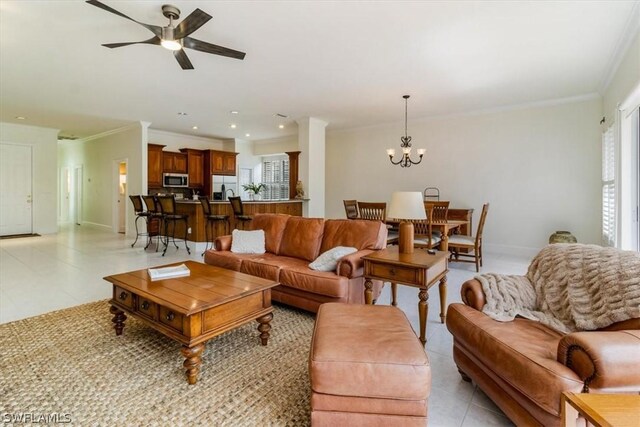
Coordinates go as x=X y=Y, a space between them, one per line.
x=211 y=221
x=238 y=212
x=154 y=220
x=167 y=206
x=138 y=209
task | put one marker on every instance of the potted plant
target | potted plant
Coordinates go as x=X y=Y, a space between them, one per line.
x=253 y=189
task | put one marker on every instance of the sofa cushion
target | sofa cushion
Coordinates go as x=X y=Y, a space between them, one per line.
x=268 y=265
x=367 y=351
x=359 y=234
x=328 y=261
x=273 y=226
x=302 y=237
x=521 y=352
x=301 y=277
x=226 y=259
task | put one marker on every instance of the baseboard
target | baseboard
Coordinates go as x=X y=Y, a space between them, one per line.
x=96 y=225
x=521 y=251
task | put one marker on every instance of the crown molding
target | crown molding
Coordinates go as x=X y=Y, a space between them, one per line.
x=182 y=135
x=107 y=133
x=624 y=43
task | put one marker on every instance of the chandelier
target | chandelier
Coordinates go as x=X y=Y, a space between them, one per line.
x=405 y=161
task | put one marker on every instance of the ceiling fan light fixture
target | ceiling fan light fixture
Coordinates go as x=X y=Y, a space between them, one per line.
x=171 y=44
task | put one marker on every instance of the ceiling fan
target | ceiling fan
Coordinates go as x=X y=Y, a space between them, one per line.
x=175 y=38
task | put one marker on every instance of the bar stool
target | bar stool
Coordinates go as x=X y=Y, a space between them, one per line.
x=211 y=221
x=154 y=220
x=138 y=209
x=238 y=211
x=167 y=206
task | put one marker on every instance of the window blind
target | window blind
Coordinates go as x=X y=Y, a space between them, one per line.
x=275 y=177
x=608 y=188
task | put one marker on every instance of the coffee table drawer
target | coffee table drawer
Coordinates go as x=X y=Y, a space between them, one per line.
x=147 y=308
x=123 y=297
x=170 y=318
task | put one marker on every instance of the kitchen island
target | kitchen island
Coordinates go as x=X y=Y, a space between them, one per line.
x=197 y=221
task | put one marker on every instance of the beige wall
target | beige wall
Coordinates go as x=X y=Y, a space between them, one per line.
x=97 y=157
x=624 y=80
x=538 y=167
x=275 y=146
x=176 y=141
x=44 y=182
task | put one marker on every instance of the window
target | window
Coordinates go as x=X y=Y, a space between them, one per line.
x=608 y=188
x=275 y=177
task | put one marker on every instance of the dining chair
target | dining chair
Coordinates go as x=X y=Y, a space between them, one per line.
x=238 y=212
x=373 y=211
x=424 y=236
x=211 y=220
x=440 y=211
x=351 y=208
x=473 y=245
x=171 y=217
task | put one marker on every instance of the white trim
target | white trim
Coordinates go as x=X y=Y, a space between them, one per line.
x=103 y=134
x=490 y=110
x=624 y=43
x=182 y=135
x=96 y=225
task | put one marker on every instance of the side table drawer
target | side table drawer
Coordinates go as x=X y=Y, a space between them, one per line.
x=123 y=297
x=394 y=273
x=170 y=318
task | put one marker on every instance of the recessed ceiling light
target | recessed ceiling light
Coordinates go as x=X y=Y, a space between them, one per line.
x=233 y=126
x=233 y=112
x=20 y=118
x=181 y=113
x=281 y=126
x=195 y=128
x=247 y=135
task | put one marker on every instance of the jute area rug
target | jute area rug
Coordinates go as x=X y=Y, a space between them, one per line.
x=71 y=362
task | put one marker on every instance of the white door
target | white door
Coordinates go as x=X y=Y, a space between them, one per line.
x=15 y=186
x=77 y=198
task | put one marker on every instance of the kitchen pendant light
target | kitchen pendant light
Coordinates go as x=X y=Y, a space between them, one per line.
x=405 y=161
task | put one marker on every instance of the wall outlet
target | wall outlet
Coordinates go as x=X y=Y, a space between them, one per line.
x=189 y=230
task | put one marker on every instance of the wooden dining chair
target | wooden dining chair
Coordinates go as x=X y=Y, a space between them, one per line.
x=351 y=208
x=440 y=209
x=473 y=245
x=424 y=236
x=373 y=211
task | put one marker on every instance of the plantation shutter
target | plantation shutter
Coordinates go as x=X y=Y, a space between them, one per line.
x=275 y=177
x=609 y=188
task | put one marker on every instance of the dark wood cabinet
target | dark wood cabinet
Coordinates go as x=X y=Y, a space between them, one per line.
x=195 y=166
x=222 y=162
x=174 y=162
x=229 y=163
x=154 y=165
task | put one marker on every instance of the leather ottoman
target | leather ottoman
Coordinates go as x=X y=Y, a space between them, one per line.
x=367 y=368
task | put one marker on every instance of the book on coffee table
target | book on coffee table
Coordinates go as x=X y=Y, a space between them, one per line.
x=169 y=272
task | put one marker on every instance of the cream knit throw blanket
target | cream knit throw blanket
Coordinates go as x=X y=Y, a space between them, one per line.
x=569 y=287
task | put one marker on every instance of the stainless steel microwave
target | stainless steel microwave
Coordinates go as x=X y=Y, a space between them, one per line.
x=175 y=180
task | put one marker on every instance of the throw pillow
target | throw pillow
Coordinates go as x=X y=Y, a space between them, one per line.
x=247 y=242
x=328 y=261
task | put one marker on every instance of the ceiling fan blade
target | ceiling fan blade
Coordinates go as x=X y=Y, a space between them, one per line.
x=195 y=20
x=153 y=28
x=153 y=40
x=183 y=59
x=196 y=44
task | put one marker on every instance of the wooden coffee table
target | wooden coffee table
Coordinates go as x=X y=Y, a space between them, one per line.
x=194 y=309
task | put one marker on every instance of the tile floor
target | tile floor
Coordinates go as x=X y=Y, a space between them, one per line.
x=51 y=272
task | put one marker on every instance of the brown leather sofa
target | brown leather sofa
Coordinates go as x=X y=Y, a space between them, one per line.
x=293 y=242
x=524 y=366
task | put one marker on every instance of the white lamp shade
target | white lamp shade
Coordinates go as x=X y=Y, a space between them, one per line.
x=407 y=205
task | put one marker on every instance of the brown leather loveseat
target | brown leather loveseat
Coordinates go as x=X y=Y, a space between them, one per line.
x=524 y=366
x=293 y=242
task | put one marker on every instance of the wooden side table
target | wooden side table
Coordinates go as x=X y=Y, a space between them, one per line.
x=418 y=269
x=601 y=410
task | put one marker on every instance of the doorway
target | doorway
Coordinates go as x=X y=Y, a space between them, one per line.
x=77 y=195
x=65 y=195
x=16 y=208
x=120 y=194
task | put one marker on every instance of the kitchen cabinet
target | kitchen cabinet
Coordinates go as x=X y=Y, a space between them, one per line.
x=174 y=162
x=222 y=162
x=154 y=165
x=195 y=166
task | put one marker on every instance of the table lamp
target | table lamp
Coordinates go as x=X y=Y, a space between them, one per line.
x=406 y=205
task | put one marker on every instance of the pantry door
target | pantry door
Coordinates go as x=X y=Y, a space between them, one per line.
x=15 y=190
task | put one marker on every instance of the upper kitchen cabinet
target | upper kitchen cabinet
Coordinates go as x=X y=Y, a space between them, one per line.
x=195 y=166
x=154 y=165
x=174 y=162
x=222 y=162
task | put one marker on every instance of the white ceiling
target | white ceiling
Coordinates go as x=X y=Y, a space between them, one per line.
x=347 y=63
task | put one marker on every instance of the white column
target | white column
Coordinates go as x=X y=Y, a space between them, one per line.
x=311 y=143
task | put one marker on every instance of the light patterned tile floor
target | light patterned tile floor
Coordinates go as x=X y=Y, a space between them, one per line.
x=51 y=272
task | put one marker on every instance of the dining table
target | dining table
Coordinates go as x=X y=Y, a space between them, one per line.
x=445 y=227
